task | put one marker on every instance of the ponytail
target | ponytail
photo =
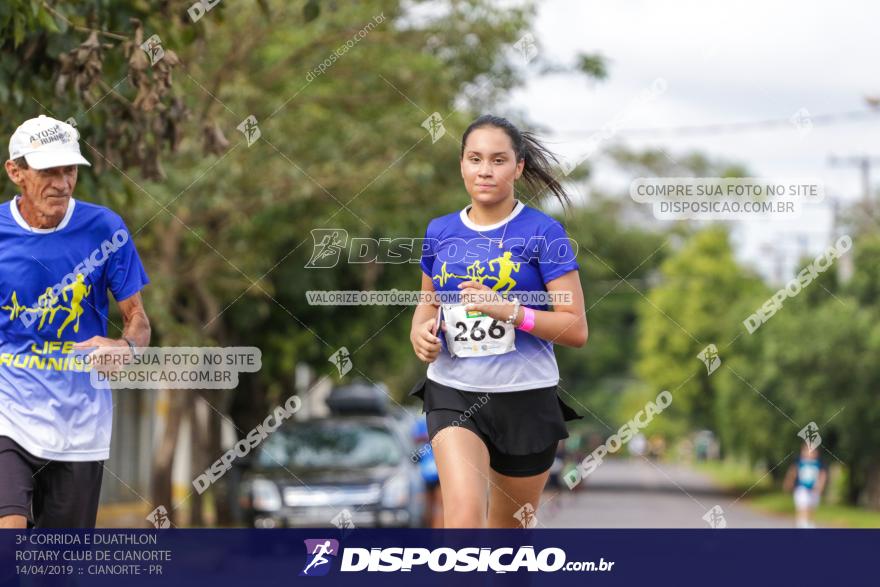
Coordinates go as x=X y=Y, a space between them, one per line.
x=539 y=161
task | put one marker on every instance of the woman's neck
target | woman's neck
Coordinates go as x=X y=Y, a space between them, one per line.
x=487 y=214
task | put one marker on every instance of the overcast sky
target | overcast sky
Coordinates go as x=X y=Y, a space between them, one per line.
x=723 y=62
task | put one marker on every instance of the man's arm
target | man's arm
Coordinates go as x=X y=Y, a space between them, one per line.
x=135 y=326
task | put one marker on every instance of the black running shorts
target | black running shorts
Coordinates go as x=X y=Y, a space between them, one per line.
x=521 y=429
x=50 y=494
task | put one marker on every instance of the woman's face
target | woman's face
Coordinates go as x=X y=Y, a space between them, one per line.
x=489 y=166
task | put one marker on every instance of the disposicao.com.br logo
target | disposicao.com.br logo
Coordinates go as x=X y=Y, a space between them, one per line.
x=318 y=553
x=468 y=559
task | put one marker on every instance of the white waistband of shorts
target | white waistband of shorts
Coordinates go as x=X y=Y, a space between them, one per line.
x=77 y=456
x=524 y=386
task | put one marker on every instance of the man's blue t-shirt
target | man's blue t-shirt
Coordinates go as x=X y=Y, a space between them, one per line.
x=54 y=287
x=534 y=250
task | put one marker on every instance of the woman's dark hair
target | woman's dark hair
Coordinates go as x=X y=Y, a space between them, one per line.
x=538 y=170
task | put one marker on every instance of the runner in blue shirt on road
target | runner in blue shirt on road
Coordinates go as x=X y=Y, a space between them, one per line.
x=490 y=394
x=806 y=478
x=59 y=258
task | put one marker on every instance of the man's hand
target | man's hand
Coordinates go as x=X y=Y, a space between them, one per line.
x=109 y=354
x=100 y=342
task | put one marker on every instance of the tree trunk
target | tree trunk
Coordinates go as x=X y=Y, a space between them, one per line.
x=222 y=504
x=198 y=448
x=854 y=483
x=872 y=485
x=163 y=460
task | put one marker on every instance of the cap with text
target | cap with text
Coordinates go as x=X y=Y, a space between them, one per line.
x=45 y=142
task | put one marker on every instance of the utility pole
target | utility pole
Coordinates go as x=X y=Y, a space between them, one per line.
x=845 y=267
x=864 y=164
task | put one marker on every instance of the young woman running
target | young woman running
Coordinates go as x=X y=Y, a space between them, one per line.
x=493 y=412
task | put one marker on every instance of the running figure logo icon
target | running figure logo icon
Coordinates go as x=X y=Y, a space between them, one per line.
x=318 y=552
x=327 y=247
x=526 y=516
x=250 y=129
x=48 y=304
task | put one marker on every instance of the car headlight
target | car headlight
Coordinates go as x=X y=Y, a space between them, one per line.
x=395 y=493
x=266 y=497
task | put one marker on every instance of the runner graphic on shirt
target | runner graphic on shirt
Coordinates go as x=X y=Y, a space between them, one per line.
x=78 y=292
x=476 y=271
x=48 y=305
x=505 y=267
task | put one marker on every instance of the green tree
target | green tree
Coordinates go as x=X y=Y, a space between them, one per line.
x=616 y=263
x=339 y=92
x=689 y=310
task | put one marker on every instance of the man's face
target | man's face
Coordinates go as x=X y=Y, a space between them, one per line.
x=47 y=190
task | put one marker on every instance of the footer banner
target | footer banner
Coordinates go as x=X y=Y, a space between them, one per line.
x=247 y=558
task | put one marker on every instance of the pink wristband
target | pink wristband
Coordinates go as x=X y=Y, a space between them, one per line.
x=528 y=321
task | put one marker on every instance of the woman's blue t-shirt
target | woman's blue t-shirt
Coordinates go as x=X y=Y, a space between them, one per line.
x=521 y=253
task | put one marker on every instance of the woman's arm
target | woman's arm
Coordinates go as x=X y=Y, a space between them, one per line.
x=425 y=343
x=565 y=324
x=425 y=310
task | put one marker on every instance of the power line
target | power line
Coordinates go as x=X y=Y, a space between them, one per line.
x=732 y=127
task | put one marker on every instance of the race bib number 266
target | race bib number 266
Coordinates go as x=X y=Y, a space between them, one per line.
x=474 y=334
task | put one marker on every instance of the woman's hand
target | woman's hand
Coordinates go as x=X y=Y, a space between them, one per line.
x=425 y=343
x=482 y=298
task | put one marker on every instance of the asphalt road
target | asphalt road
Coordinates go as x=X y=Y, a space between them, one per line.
x=636 y=493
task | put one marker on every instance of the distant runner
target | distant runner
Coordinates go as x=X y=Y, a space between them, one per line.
x=808 y=477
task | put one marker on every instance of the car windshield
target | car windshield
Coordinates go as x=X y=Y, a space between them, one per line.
x=342 y=445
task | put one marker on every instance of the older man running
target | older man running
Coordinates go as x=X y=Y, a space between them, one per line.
x=59 y=257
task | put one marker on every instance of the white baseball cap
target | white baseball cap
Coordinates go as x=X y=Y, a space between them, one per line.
x=45 y=142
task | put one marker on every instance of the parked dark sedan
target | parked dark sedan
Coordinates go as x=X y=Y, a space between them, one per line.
x=339 y=471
